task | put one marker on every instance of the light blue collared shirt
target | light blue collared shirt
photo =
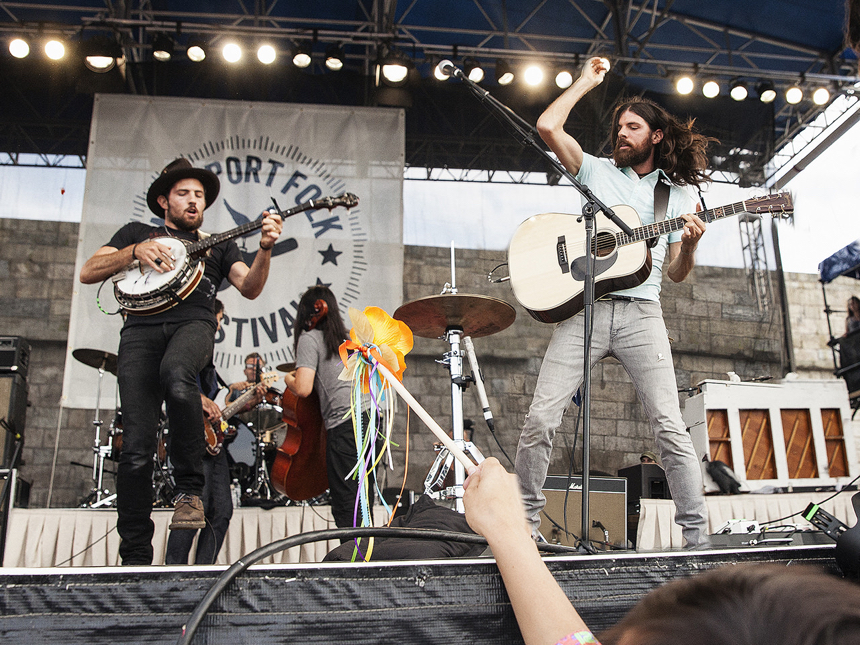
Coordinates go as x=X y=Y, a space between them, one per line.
x=614 y=186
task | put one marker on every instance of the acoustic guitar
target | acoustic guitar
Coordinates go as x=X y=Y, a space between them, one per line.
x=546 y=257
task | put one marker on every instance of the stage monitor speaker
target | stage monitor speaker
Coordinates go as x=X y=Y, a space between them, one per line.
x=13 y=408
x=645 y=481
x=607 y=505
x=14 y=355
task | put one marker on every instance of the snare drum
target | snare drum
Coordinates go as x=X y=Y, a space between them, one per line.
x=243 y=449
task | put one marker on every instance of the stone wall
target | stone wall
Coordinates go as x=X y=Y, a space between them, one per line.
x=713 y=321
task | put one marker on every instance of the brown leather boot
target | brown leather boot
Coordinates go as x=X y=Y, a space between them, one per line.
x=188 y=513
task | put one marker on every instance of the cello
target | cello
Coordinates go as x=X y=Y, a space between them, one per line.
x=299 y=470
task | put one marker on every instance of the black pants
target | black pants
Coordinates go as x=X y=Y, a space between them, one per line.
x=218 y=507
x=158 y=363
x=341 y=457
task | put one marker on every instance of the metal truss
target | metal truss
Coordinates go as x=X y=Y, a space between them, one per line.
x=648 y=42
x=755 y=262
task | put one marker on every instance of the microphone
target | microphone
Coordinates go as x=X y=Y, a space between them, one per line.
x=447 y=68
x=479 y=382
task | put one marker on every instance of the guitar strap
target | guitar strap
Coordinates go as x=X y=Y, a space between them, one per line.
x=661 y=203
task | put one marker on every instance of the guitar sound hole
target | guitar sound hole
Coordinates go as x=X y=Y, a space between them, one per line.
x=603 y=244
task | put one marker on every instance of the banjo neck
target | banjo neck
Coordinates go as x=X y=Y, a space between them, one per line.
x=196 y=249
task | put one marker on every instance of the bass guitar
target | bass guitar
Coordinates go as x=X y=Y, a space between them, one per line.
x=142 y=291
x=217 y=432
x=546 y=257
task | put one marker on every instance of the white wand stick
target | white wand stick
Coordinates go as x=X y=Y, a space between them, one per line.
x=425 y=417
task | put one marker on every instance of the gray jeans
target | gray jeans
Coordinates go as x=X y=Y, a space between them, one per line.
x=633 y=332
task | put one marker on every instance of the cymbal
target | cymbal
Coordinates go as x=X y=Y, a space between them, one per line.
x=477 y=316
x=286 y=367
x=96 y=358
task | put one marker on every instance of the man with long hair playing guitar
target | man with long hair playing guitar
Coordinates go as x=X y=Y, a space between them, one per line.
x=649 y=145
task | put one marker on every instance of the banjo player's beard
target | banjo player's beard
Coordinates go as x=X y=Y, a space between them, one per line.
x=183 y=224
x=633 y=156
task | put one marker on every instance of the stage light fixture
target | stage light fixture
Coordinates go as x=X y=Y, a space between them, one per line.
x=231 y=52
x=821 y=96
x=793 y=95
x=766 y=92
x=55 y=49
x=394 y=68
x=19 y=48
x=473 y=70
x=162 y=48
x=266 y=54
x=504 y=73
x=437 y=73
x=533 y=75
x=564 y=79
x=738 y=90
x=711 y=89
x=196 y=51
x=334 y=57
x=684 y=84
x=302 y=55
x=101 y=54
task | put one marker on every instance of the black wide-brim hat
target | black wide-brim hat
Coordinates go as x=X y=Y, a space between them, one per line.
x=177 y=170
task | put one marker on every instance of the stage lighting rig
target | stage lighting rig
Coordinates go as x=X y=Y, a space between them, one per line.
x=196 y=51
x=684 y=84
x=711 y=89
x=302 y=55
x=393 y=68
x=473 y=70
x=793 y=95
x=19 y=48
x=766 y=92
x=55 y=49
x=738 y=90
x=231 y=52
x=266 y=54
x=101 y=54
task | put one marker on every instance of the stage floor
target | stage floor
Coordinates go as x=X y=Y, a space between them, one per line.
x=87 y=537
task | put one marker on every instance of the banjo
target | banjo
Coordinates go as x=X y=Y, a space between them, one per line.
x=142 y=291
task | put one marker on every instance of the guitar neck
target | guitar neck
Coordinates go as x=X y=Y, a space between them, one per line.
x=649 y=231
x=208 y=242
x=238 y=404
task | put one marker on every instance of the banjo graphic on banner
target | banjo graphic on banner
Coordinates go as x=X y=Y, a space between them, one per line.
x=295 y=154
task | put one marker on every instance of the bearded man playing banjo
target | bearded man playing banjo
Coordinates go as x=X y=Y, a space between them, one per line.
x=160 y=354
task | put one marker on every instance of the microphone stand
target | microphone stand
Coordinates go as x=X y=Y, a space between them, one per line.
x=590 y=208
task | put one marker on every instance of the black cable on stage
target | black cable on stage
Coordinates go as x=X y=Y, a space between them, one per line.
x=196 y=617
x=845 y=489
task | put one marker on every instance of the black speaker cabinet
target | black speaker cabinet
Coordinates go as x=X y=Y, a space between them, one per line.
x=13 y=407
x=646 y=481
x=14 y=355
x=607 y=505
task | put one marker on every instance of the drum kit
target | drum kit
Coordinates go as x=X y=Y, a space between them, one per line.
x=259 y=431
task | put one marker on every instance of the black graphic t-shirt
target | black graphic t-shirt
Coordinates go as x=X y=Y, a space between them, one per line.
x=198 y=304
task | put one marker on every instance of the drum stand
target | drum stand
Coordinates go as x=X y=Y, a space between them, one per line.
x=442 y=464
x=99 y=495
x=262 y=490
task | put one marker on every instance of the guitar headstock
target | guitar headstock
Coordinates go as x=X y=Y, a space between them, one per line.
x=778 y=205
x=347 y=200
x=269 y=378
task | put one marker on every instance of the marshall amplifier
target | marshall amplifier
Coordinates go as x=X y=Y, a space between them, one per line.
x=14 y=355
x=607 y=506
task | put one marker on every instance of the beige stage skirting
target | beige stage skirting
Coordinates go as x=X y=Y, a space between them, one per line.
x=658 y=531
x=49 y=537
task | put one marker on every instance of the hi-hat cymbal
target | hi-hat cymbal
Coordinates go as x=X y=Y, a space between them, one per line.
x=96 y=358
x=286 y=367
x=477 y=316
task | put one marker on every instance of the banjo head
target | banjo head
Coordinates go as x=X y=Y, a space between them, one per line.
x=139 y=289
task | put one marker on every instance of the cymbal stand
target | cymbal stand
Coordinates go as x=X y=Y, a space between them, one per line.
x=442 y=464
x=262 y=489
x=99 y=496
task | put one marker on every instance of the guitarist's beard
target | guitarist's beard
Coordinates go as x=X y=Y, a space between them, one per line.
x=631 y=156
x=186 y=222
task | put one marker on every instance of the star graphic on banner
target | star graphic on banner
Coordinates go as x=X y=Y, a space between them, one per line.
x=330 y=255
x=320 y=283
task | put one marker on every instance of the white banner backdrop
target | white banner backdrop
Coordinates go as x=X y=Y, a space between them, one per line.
x=294 y=153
